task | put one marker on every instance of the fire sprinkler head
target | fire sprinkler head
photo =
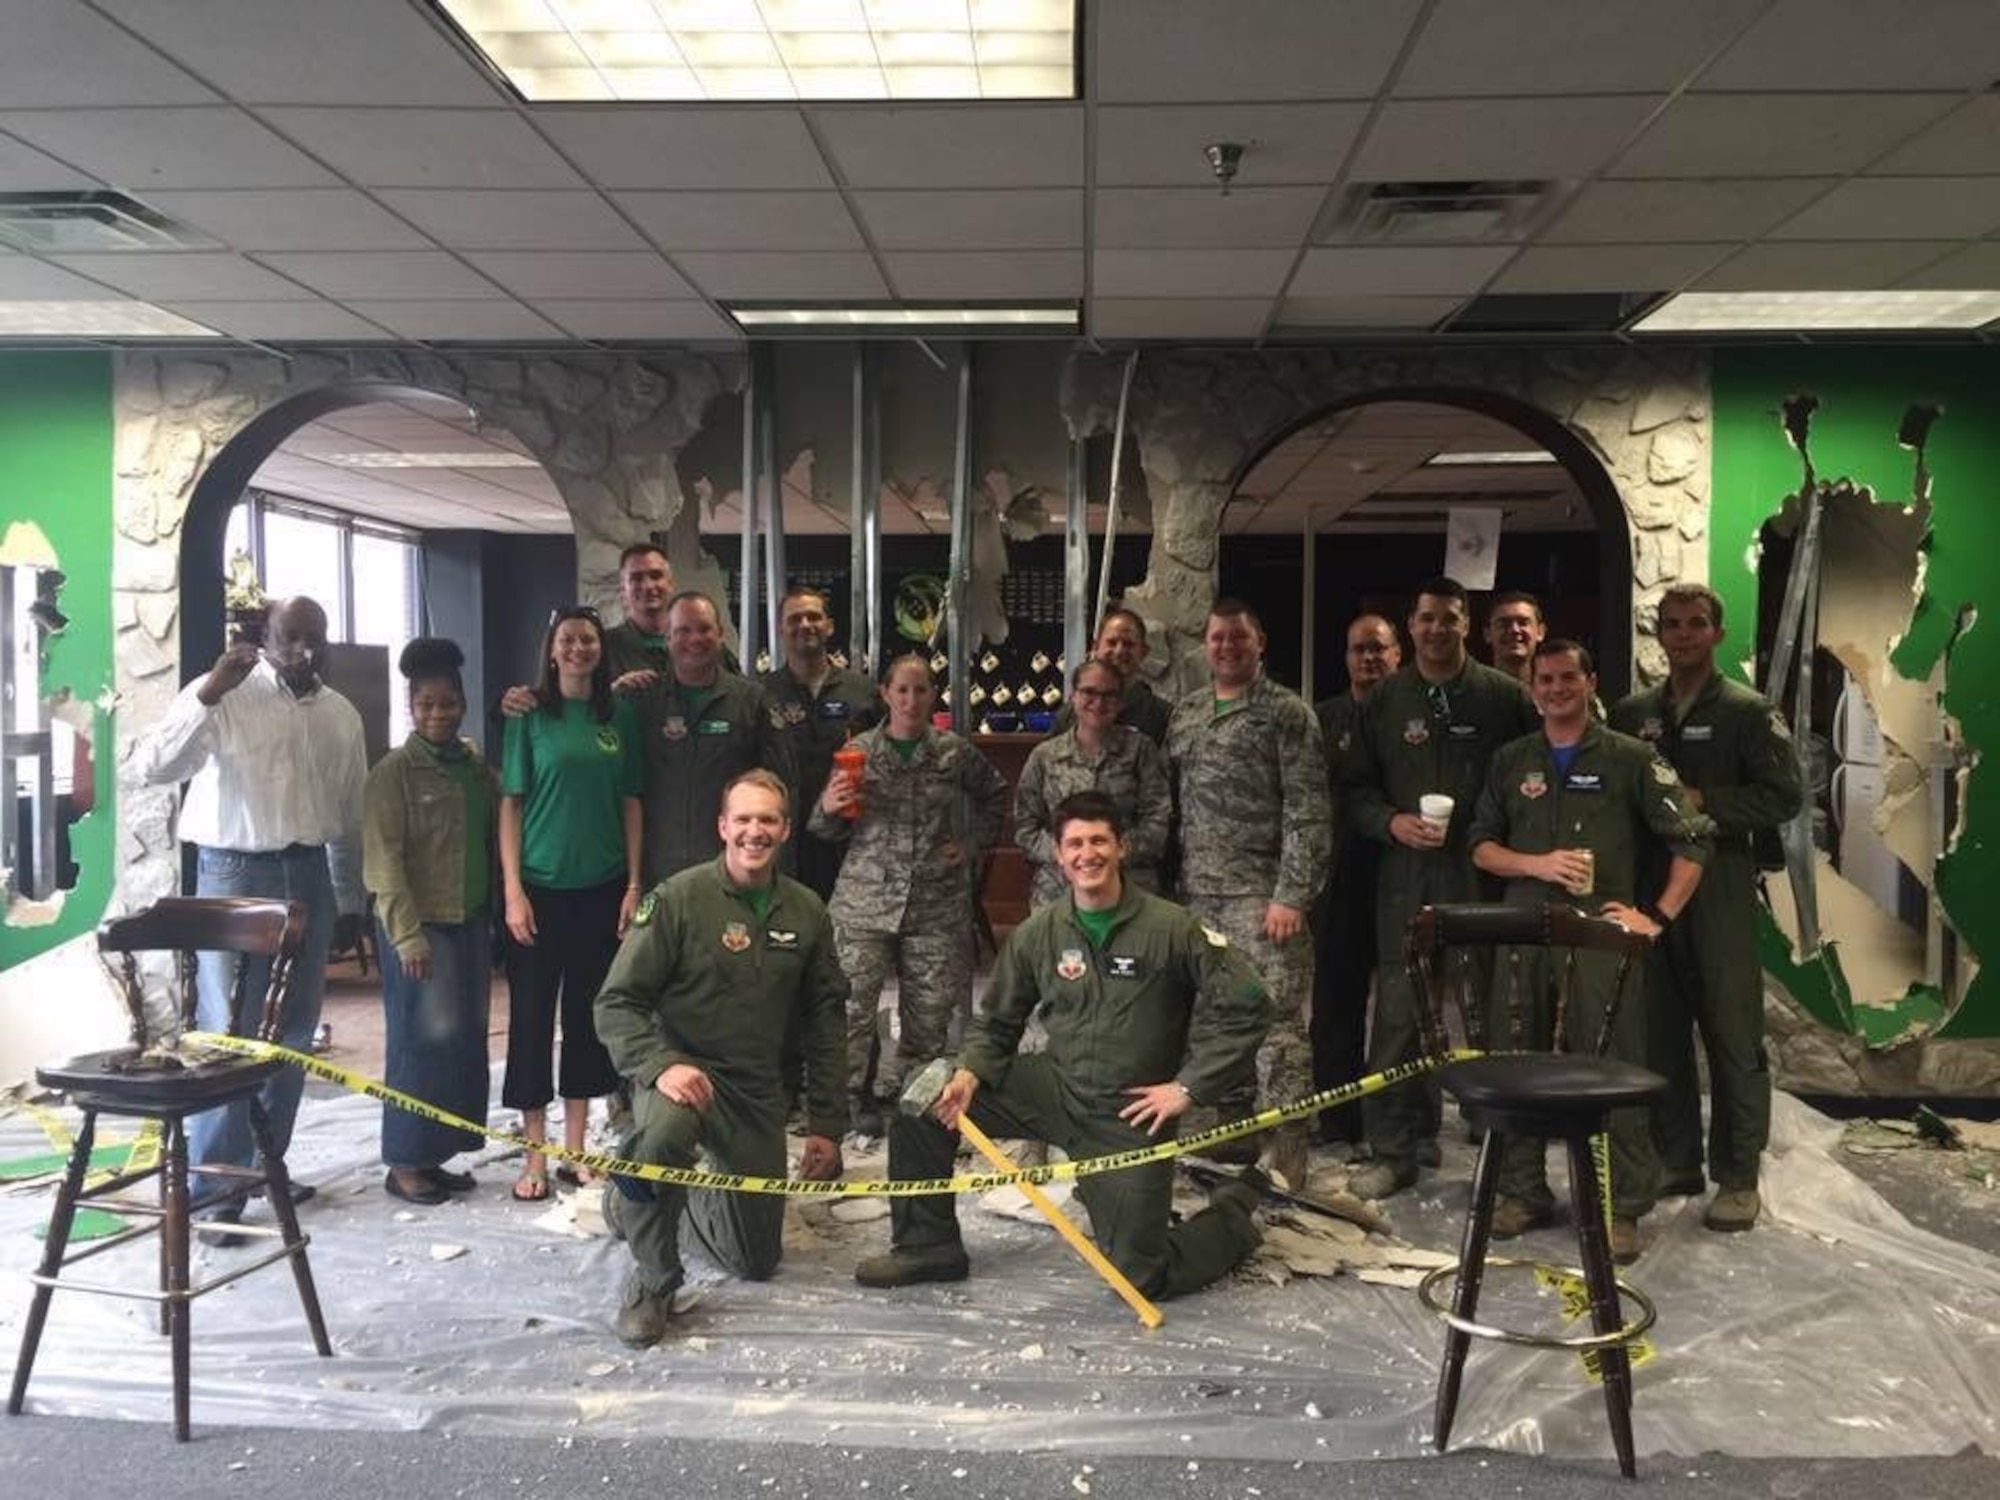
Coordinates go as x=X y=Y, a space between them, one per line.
x=1225 y=159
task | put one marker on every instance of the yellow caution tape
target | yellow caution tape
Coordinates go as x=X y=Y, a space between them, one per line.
x=689 y=1177
x=53 y=1126
x=1575 y=1297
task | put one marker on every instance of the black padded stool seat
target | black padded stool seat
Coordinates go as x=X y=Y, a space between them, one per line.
x=1547 y=1093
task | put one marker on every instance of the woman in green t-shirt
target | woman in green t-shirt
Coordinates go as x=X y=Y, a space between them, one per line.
x=570 y=783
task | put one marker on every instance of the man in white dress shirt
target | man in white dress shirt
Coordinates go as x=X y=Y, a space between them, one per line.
x=275 y=767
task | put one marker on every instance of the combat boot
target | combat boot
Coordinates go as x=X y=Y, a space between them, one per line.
x=908 y=1265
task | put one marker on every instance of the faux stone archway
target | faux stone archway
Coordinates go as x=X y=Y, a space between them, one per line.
x=1607 y=510
x=1199 y=417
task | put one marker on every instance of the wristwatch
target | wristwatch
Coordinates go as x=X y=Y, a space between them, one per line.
x=1652 y=910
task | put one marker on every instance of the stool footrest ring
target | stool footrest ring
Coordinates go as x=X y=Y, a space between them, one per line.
x=1648 y=1314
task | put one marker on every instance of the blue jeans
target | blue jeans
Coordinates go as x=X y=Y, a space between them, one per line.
x=295 y=874
x=436 y=1037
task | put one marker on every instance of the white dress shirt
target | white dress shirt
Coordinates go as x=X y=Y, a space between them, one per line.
x=266 y=769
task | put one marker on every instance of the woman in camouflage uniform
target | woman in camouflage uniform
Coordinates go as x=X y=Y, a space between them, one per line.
x=929 y=807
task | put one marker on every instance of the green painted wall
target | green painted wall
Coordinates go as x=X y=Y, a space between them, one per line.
x=1863 y=393
x=55 y=470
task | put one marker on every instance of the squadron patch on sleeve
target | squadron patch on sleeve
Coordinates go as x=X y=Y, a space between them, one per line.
x=1664 y=774
x=1215 y=939
x=648 y=904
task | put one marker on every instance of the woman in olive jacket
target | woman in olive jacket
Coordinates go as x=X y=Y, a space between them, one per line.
x=427 y=857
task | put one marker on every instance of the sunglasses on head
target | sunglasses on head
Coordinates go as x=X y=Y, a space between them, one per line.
x=574 y=612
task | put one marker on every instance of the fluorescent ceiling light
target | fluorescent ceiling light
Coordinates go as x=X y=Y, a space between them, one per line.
x=905 y=317
x=96 y=320
x=776 y=49
x=1803 y=312
x=483 y=458
x=1522 y=456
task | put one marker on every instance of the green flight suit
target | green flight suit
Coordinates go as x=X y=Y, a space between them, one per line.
x=1733 y=747
x=1614 y=795
x=1118 y=1017
x=819 y=723
x=702 y=979
x=1414 y=737
x=697 y=740
x=630 y=649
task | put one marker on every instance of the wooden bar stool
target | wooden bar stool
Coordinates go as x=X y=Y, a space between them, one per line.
x=1564 y=1096
x=162 y=1085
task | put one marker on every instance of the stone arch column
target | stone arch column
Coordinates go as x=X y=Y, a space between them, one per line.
x=1200 y=418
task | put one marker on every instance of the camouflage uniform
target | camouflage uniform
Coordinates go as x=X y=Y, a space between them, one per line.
x=1143 y=710
x=1732 y=746
x=1415 y=737
x=896 y=908
x=819 y=723
x=1255 y=829
x=697 y=740
x=1613 y=792
x=1130 y=770
x=703 y=979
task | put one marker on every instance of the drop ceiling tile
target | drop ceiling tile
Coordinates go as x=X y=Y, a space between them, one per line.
x=1975 y=268
x=1126 y=274
x=743 y=220
x=1035 y=275
x=1666 y=212
x=452 y=321
x=190 y=276
x=122 y=69
x=1452 y=140
x=1890 y=208
x=438 y=148
x=640 y=320
x=1245 y=49
x=1844 y=266
x=1286 y=143
x=1965 y=141
x=709 y=147
x=23 y=169
x=308 y=219
x=542 y=275
x=531 y=220
x=1865 y=44
x=1403 y=271
x=386 y=274
x=1008 y=219
x=1177 y=318
x=25 y=279
x=808 y=276
x=1248 y=217
x=144 y=149
x=1365 y=312
x=1607 y=268
x=1472 y=47
x=956 y=146
x=1776 y=135
x=281 y=320
x=355 y=52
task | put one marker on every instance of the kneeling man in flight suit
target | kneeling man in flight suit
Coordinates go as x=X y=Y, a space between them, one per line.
x=720 y=961
x=1116 y=973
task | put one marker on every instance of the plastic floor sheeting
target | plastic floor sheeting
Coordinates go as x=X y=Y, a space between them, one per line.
x=1834 y=1330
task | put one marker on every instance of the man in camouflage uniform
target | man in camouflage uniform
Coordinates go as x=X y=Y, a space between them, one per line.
x=719 y=962
x=822 y=707
x=1565 y=814
x=704 y=727
x=1735 y=757
x=1432 y=727
x=1250 y=784
x=1344 y=920
x=1121 y=645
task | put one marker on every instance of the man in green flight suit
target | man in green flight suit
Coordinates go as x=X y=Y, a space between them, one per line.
x=1565 y=814
x=1432 y=728
x=1735 y=756
x=719 y=961
x=1116 y=973
x=636 y=646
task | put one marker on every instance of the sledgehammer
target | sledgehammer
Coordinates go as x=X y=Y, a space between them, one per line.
x=917 y=1098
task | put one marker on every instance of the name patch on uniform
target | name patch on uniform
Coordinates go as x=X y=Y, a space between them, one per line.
x=1069 y=965
x=1696 y=732
x=674 y=727
x=1583 y=781
x=712 y=726
x=781 y=941
x=1416 y=732
x=1534 y=784
x=736 y=937
x=1121 y=966
x=836 y=708
x=1464 y=731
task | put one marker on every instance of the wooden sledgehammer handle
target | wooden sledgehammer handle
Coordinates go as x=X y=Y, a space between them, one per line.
x=1079 y=1242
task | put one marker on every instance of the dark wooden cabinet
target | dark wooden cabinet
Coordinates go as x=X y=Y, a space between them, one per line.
x=1008 y=878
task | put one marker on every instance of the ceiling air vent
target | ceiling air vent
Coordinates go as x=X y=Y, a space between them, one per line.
x=1437 y=212
x=48 y=223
